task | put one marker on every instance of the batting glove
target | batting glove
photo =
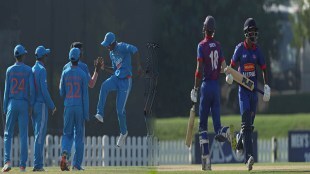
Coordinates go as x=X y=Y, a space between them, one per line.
x=229 y=79
x=194 y=94
x=266 y=96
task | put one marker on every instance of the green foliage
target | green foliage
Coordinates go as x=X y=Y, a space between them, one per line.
x=266 y=125
x=301 y=23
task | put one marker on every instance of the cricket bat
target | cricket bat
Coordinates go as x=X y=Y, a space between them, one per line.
x=190 y=126
x=243 y=80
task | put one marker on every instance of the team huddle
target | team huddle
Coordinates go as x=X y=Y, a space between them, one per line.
x=26 y=94
x=210 y=63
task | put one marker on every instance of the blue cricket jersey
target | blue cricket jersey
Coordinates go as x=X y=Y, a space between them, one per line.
x=248 y=58
x=83 y=66
x=74 y=87
x=42 y=94
x=121 y=59
x=19 y=84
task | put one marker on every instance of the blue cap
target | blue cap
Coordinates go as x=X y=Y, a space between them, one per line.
x=41 y=51
x=74 y=54
x=19 y=50
x=108 y=39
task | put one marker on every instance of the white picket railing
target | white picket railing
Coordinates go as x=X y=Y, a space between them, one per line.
x=99 y=151
x=175 y=152
x=138 y=151
x=265 y=150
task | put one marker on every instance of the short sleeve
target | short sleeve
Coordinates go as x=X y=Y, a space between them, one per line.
x=130 y=48
x=199 y=53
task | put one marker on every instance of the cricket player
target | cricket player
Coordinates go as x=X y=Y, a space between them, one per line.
x=98 y=63
x=248 y=55
x=210 y=62
x=43 y=102
x=74 y=88
x=120 y=81
x=19 y=95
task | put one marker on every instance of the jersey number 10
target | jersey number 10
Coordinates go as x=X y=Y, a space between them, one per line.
x=214 y=56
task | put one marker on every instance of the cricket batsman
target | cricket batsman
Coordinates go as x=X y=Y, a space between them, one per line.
x=248 y=55
x=210 y=62
x=74 y=88
x=19 y=95
x=43 y=102
x=120 y=81
x=98 y=63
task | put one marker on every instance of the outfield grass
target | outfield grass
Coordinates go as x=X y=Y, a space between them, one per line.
x=279 y=168
x=266 y=125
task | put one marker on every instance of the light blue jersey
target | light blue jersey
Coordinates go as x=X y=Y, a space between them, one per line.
x=74 y=87
x=83 y=66
x=19 y=94
x=39 y=117
x=19 y=84
x=121 y=59
x=42 y=94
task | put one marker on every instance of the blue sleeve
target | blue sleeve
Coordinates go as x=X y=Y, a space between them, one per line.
x=85 y=99
x=62 y=85
x=199 y=53
x=6 y=93
x=31 y=88
x=130 y=48
x=45 y=93
x=88 y=76
x=236 y=55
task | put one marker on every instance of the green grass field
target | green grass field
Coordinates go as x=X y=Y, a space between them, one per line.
x=266 y=125
x=281 y=168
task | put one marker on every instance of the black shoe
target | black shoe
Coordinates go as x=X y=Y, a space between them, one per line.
x=38 y=170
x=220 y=138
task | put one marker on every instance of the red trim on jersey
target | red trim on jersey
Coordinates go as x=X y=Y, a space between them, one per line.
x=198 y=74
x=199 y=59
x=263 y=67
x=222 y=59
x=232 y=63
x=248 y=47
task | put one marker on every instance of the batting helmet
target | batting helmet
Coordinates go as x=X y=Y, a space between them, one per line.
x=250 y=30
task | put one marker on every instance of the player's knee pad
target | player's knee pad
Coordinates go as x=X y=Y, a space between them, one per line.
x=204 y=143
x=203 y=137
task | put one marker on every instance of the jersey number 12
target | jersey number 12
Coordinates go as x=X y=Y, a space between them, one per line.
x=214 y=56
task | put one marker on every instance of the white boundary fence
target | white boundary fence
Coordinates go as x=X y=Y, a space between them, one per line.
x=99 y=151
x=138 y=151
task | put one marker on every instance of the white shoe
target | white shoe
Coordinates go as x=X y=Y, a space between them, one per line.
x=206 y=162
x=7 y=167
x=99 y=118
x=239 y=150
x=121 y=139
x=250 y=163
